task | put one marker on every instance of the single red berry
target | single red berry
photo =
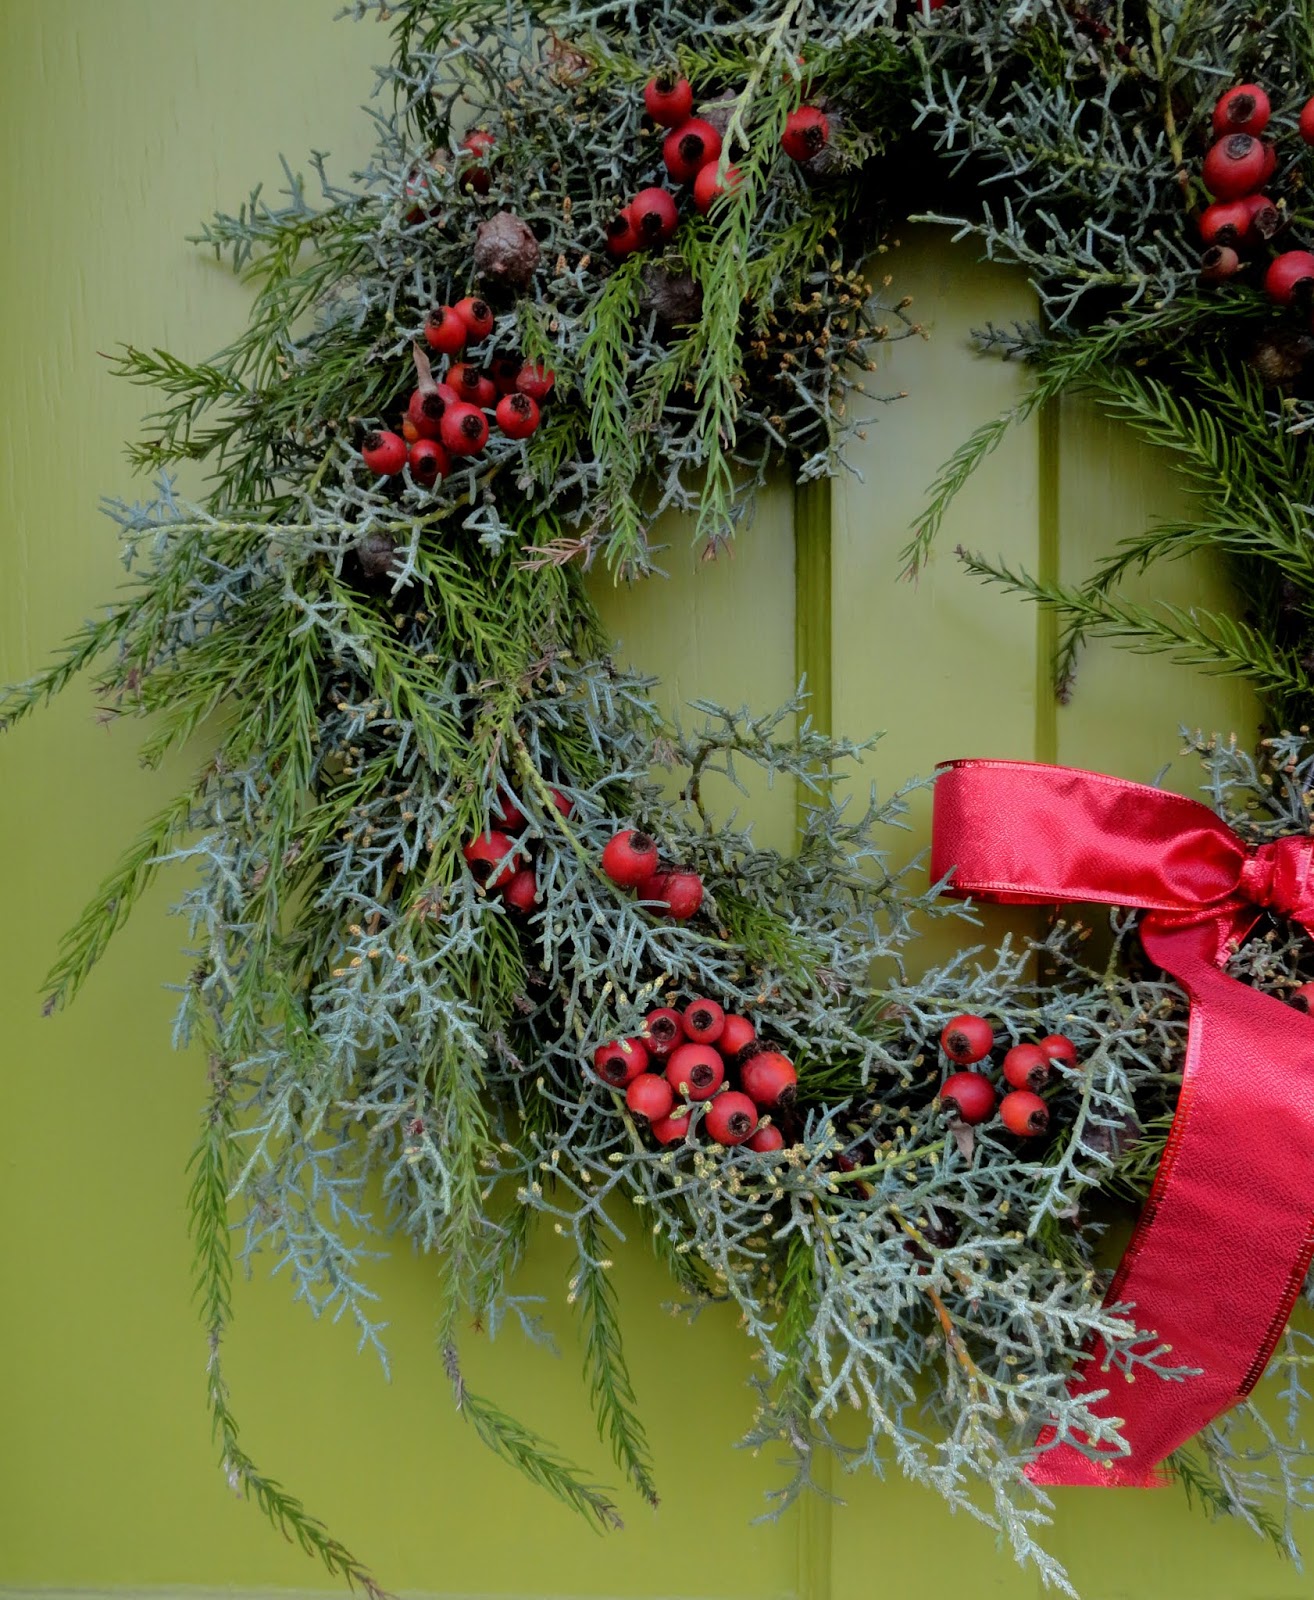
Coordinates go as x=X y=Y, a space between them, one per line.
x=1219 y=263
x=731 y=1118
x=967 y=1039
x=766 y=1139
x=471 y=385
x=1226 y=222
x=383 y=452
x=564 y=806
x=737 y=1034
x=1288 y=275
x=429 y=462
x=688 y=148
x=650 y=1096
x=704 y=1021
x=1243 y=109
x=696 y=1071
x=622 y=238
x=1058 y=1047
x=1234 y=166
x=535 y=380
x=1026 y=1066
x=1303 y=998
x=653 y=216
x=663 y=1031
x=708 y=187
x=668 y=100
x=477 y=315
x=679 y=894
x=517 y=416
x=478 y=143
x=485 y=852
x=504 y=371
x=464 y=429
x=1307 y=122
x=506 y=813
x=1024 y=1113
x=807 y=131
x=671 y=1130
x=1264 y=217
x=629 y=857
x=446 y=330
x=769 y=1079
x=620 y=1062
x=969 y=1095
x=426 y=408
x=521 y=894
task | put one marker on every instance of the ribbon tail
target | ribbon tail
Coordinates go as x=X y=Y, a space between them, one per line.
x=1222 y=1249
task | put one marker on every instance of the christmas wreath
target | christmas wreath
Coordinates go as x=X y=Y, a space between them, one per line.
x=465 y=924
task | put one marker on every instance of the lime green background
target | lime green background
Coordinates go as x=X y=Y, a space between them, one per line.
x=124 y=124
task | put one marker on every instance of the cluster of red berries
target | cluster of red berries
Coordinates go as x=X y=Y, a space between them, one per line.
x=690 y=1053
x=1239 y=163
x=631 y=860
x=446 y=418
x=969 y=1039
x=503 y=863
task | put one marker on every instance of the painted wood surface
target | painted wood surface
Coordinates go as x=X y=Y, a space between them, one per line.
x=124 y=125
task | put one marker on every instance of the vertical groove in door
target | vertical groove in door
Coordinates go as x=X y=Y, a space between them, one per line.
x=812 y=607
x=1047 y=570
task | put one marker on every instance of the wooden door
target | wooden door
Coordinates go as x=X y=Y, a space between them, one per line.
x=124 y=125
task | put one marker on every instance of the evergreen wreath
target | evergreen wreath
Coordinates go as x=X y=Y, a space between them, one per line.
x=449 y=858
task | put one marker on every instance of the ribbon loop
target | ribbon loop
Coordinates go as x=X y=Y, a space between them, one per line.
x=1222 y=1249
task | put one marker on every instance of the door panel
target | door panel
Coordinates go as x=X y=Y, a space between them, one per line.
x=131 y=122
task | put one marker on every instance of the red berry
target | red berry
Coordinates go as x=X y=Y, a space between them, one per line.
x=535 y=380
x=521 y=894
x=670 y=1130
x=731 y=1118
x=1287 y=274
x=1234 y=166
x=1244 y=109
x=517 y=416
x=383 y=452
x=663 y=1031
x=622 y=240
x=483 y=854
x=766 y=1139
x=506 y=813
x=1303 y=998
x=447 y=331
x=1058 y=1047
x=695 y=1071
x=471 y=385
x=629 y=857
x=426 y=408
x=477 y=315
x=1226 y=222
x=564 y=806
x=650 y=1096
x=504 y=371
x=1219 y=263
x=967 y=1039
x=969 y=1096
x=464 y=429
x=708 y=188
x=429 y=462
x=688 y=148
x=1024 y=1113
x=679 y=894
x=478 y=143
x=807 y=131
x=668 y=100
x=769 y=1078
x=1264 y=218
x=1307 y=122
x=704 y=1021
x=737 y=1034
x=620 y=1062
x=653 y=216
x=1026 y=1066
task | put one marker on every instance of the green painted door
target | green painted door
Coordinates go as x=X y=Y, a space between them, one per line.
x=124 y=125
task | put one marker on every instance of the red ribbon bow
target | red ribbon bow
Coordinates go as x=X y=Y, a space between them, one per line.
x=1222 y=1248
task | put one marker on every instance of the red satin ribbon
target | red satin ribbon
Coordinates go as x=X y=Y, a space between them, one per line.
x=1221 y=1251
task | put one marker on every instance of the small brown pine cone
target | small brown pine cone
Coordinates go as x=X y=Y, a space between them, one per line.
x=506 y=252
